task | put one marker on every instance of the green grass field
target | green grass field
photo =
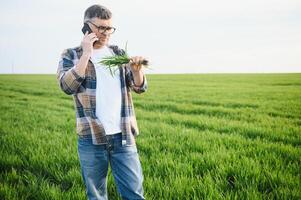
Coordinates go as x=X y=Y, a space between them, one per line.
x=210 y=136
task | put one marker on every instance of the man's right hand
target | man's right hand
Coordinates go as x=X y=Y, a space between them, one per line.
x=87 y=43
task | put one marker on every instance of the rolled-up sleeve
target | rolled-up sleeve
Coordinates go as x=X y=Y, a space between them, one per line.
x=69 y=80
x=131 y=83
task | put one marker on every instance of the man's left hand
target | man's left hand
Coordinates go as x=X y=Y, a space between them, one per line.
x=136 y=63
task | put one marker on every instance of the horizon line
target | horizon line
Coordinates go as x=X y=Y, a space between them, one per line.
x=172 y=73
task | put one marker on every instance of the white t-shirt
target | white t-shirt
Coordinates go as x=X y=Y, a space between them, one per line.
x=108 y=93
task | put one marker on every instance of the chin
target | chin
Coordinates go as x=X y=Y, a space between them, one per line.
x=99 y=43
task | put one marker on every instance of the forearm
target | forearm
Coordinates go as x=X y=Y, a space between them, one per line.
x=81 y=66
x=71 y=77
x=135 y=77
x=138 y=78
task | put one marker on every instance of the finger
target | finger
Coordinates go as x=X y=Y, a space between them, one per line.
x=140 y=60
x=87 y=34
x=133 y=59
x=137 y=60
x=94 y=39
x=91 y=35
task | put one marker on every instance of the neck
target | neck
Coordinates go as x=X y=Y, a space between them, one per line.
x=98 y=46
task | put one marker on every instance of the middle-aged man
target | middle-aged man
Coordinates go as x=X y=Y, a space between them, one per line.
x=105 y=117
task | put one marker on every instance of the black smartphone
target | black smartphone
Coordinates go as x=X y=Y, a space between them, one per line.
x=86 y=28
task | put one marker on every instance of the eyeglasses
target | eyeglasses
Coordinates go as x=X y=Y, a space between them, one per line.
x=103 y=29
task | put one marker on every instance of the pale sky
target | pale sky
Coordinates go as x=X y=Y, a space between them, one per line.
x=191 y=36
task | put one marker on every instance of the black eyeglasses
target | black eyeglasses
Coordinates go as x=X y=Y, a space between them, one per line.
x=103 y=29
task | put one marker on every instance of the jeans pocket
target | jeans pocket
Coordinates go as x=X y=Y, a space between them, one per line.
x=84 y=140
x=126 y=148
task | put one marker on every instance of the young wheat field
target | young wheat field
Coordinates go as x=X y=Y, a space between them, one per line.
x=202 y=136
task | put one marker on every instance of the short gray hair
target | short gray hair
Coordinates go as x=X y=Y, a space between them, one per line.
x=97 y=11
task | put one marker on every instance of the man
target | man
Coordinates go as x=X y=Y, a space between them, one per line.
x=105 y=117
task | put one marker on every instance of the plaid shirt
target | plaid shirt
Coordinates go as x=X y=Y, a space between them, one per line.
x=83 y=90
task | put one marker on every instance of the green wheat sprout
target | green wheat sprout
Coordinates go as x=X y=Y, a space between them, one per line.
x=113 y=62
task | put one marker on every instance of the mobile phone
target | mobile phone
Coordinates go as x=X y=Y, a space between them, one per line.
x=86 y=28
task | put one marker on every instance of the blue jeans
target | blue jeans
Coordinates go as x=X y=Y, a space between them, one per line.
x=124 y=162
